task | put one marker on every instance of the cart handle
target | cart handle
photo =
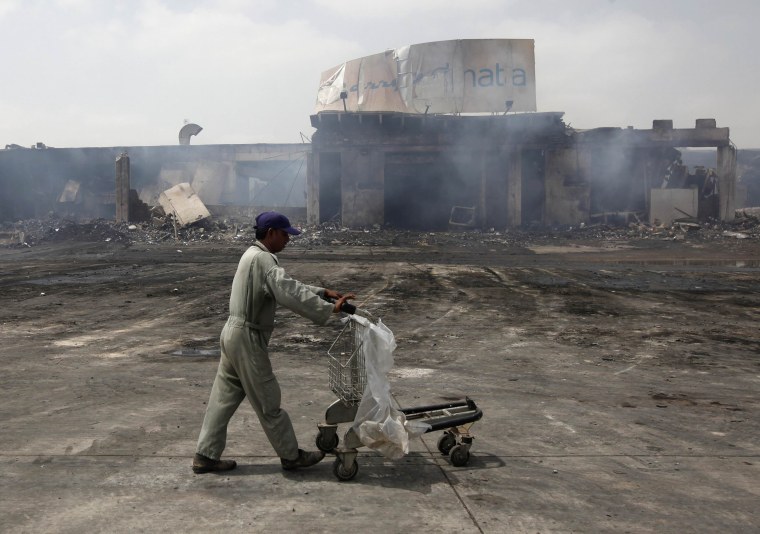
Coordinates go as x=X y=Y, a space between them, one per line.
x=347 y=307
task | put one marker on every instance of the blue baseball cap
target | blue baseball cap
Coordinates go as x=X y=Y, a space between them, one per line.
x=272 y=219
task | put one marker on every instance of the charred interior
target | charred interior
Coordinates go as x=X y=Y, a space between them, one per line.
x=417 y=172
x=437 y=172
x=83 y=183
x=409 y=138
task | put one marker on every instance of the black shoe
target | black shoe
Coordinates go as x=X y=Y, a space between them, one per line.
x=305 y=459
x=202 y=464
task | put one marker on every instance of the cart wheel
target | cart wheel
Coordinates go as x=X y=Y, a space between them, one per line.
x=459 y=456
x=343 y=474
x=446 y=442
x=327 y=444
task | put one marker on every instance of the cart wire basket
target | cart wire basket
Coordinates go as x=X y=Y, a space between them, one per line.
x=346 y=371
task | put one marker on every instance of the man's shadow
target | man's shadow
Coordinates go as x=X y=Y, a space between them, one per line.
x=417 y=471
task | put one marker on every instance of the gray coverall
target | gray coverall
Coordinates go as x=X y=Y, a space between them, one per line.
x=260 y=284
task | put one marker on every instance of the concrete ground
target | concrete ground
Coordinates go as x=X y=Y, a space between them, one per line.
x=618 y=379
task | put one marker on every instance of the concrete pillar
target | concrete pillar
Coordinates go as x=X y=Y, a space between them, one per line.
x=481 y=211
x=312 y=188
x=514 y=189
x=362 y=187
x=727 y=182
x=568 y=203
x=647 y=163
x=122 y=188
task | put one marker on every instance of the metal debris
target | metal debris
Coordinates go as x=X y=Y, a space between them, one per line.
x=232 y=231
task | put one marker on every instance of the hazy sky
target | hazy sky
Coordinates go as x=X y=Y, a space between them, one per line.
x=121 y=73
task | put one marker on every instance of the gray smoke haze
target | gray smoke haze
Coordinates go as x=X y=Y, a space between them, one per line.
x=93 y=73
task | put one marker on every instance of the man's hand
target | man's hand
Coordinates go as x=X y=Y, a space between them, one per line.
x=342 y=299
x=330 y=294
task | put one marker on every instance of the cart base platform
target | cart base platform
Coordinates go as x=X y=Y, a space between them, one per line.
x=454 y=418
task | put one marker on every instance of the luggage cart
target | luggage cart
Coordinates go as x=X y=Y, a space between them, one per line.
x=348 y=379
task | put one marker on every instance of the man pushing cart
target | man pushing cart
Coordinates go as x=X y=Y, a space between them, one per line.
x=358 y=362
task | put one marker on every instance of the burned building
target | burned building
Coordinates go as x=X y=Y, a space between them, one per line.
x=429 y=172
x=81 y=182
x=398 y=142
x=413 y=171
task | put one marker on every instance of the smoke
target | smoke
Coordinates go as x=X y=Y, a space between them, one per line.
x=468 y=170
x=31 y=180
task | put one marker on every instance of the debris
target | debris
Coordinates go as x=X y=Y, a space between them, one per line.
x=683 y=212
x=737 y=235
x=183 y=204
x=668 y=205
x=12 y=237
x=686 y=226
x=234 y=231
x=70 y=192
x=462 y=217
x=748 y=213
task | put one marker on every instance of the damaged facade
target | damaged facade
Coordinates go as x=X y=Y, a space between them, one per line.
x=508 y=170
x=98 y=182
x=392 y=147
x=415 y=171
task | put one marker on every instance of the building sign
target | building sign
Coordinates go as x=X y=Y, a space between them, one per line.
x=462 y=76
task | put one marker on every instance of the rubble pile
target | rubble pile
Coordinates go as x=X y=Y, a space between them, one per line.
x=743 y=227
x=34 y=232
x=378 y=236
x=37 y=231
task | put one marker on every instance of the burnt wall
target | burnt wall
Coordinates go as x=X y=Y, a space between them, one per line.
x=512 y=170
x=566 y=186
x=362 y=187
x=422 y=188
x=31 y=180
x=411 y=171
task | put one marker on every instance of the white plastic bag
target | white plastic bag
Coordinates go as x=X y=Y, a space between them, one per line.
x=379 y=425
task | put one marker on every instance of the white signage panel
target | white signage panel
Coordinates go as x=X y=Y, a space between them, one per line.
x=461 y=76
